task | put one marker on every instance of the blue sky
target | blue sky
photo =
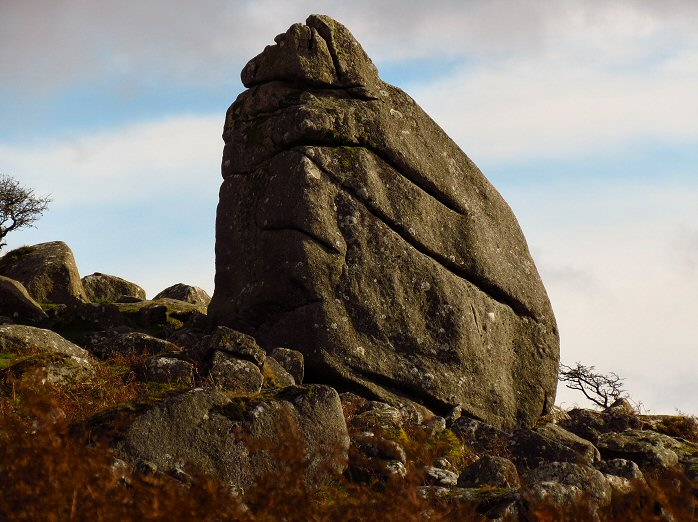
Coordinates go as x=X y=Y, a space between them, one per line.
x=583 y=114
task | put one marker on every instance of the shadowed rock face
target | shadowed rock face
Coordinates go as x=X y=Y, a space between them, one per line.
x=353 y=229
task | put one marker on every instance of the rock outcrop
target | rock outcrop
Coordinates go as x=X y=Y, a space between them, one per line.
x=104 y=287
x=186 y=293
x=48 y=272
x=353 y=229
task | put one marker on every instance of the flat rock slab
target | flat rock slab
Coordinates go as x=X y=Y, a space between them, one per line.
x=372 y=244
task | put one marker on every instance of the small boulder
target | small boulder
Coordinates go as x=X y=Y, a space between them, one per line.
x=621 y=474
x=621 y=406
x=649 y=450
x=490 y=471
x=104 y=287
x=292 y=361
x=440 y=477
x=585 y=449
x=15 y=302
x=479 y=436
x=186 y=293
x=48 y=272
x=167 y=370
x=275 y=376
x=238 y=375
x=588 y=480
x=238 y=344
x=530 y=449
x=62 y=360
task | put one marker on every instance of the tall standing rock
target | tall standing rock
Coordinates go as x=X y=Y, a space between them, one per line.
x=352 y=228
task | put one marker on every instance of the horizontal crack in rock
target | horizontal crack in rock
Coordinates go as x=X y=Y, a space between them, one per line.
x=327 y=246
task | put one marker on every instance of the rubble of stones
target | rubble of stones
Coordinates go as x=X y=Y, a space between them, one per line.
x=233 y=396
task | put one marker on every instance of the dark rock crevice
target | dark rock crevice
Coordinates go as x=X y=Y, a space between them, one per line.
x=440 y=197
x=321 y=242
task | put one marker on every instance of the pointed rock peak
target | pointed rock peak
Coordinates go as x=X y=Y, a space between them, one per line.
x=323 y=53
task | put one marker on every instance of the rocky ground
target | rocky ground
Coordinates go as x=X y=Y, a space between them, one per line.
x=131 y=408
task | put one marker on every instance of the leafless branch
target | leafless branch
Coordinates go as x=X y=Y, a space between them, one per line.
x=600 y=389
x=19 y=206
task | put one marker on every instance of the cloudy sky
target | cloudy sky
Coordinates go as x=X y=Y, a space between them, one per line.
x=584 y=114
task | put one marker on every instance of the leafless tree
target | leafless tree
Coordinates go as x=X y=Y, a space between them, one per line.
x=602 y=390
x=19 y=206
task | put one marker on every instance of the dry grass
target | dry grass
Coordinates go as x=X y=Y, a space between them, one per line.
x=49 y=473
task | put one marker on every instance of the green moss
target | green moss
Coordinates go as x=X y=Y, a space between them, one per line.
x=161 y=390
x=15 y=255
x=6 y=359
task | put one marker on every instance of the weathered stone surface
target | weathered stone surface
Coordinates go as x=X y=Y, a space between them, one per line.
x=440 y=477
x=48 y=272
x=621 y=468
x=104 y=287
x=530 y=449
x=167 y=370
x=132 y=343
x=15 y=302
x=649 y=450
x=61 y=359
x=186 y=293
x=235 y=374
x=237 y=344
x=241 y=440
x=585 y=449
x=292 y=361
x=589 y=480
x=589 y=424
x=372 y=243
x=275 y=375
x=480 y=436
x=490 y=471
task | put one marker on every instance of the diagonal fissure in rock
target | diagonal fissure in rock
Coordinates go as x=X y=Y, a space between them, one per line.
x=482 y=284
x=438 y=196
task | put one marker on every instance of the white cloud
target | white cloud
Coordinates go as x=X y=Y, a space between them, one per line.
x=624 y=300
x=550 y=108
x=46 y=44
x=139 y=162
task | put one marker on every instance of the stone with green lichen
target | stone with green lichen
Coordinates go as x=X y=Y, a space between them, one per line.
x=238 y=439
x=27 y=348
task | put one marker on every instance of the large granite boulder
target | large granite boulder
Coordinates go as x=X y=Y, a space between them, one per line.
x=15 y=302
x=48 y=272
x=242 y=440
x=353 y=229
x=105 y=287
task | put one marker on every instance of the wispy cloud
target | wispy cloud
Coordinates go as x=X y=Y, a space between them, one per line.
x=141 y=162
